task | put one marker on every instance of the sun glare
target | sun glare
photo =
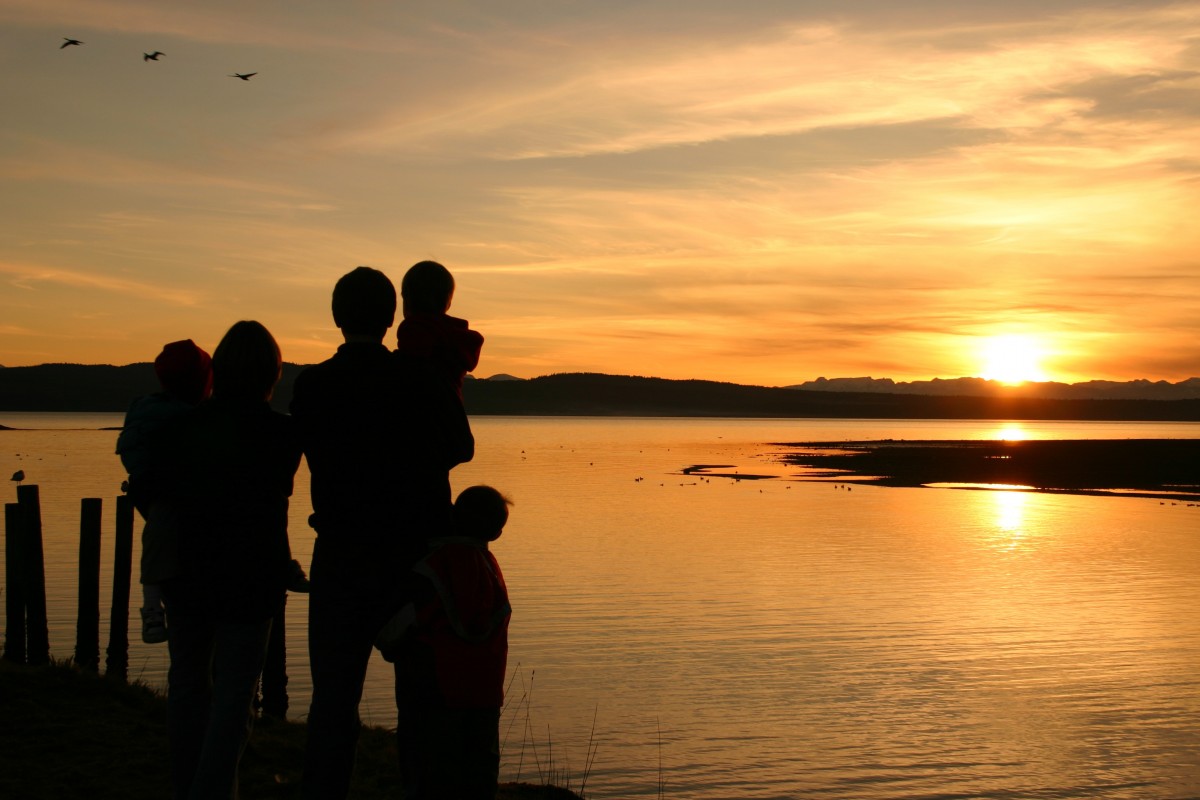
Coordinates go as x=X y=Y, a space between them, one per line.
x=1012 y=359
x=1011 y=432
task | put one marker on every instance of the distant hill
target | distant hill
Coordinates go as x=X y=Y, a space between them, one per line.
x=93 y=387
x=978 y=387
x=589 y=394
x=81 y=387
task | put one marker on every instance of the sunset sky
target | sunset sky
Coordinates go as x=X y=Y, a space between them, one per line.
x=762 y=191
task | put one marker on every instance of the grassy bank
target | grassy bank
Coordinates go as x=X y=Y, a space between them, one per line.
x=69 y=734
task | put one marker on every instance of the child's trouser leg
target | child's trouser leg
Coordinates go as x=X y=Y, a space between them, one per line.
x=154 y=623
x=152 y=596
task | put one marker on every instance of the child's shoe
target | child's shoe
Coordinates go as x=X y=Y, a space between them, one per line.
x=154 y=625
x=297 y=580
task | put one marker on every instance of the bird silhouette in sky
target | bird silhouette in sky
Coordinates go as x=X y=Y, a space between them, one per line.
x=152 y=56
x=68 y=42
x=243 y=75
x=19 y=476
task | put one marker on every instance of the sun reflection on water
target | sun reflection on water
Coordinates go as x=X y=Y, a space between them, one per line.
x=1010 y=511
x=1009 y=520
x=1011 y=432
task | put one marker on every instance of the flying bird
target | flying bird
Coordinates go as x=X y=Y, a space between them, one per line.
x=243 y=75
x=19 y=476
x=152 y=56
x=68 y=42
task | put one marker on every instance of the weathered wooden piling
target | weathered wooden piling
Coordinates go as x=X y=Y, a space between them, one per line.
x=26 y=635
x=116 y=663
x=37 y=628
x=14 y=582
x=87 y=625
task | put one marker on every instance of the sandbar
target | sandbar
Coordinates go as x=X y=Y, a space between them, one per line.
x=1164 y=468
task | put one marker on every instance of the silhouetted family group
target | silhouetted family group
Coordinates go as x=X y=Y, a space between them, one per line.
x=396 y=566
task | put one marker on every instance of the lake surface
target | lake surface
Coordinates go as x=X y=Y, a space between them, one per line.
x=777 y=638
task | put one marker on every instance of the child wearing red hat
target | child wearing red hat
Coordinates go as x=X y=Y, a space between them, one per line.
x=184 y=374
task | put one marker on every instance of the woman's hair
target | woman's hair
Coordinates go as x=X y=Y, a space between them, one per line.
x=247 y=363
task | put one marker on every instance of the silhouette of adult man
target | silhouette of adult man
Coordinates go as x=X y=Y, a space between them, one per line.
x=379 y=443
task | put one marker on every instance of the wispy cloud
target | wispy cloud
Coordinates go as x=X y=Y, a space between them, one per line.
x=50 y=160
x=798 y=79
x=31 y=277
x=299 y=26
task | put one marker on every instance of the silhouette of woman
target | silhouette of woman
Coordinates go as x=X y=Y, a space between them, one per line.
x=229 y=463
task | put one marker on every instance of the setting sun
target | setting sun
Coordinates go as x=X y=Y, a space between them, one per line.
x=1012 y=359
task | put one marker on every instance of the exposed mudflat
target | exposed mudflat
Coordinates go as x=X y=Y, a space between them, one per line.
x=1141 y=467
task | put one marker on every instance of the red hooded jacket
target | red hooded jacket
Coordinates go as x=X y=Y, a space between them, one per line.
x=464 y=624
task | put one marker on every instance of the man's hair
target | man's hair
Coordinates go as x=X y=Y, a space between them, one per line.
x=481 y=512
x=247 y=363
x=428 y=287
x=364 y=302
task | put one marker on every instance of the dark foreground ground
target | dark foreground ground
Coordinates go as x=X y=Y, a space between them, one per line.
x=1166 y=468
x=67 y=734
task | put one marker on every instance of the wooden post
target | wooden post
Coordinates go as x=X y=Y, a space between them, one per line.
x=14 y=581
x=116 y=663
x=37 y=629
x=87 y=625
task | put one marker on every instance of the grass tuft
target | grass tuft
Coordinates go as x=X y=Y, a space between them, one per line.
x=551 y=775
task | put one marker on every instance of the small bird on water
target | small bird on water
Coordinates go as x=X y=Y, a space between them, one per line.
x=68 y=42
x=243 y=75
x=152 y=56
x=19 y=476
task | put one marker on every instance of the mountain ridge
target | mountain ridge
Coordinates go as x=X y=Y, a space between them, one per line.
x=1140 y=389
x=107 y=388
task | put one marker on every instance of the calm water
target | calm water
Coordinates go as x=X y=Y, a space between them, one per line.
x=780 y=639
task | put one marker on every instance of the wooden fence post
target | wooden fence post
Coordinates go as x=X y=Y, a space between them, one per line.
x=87 y=625
x=37 y=629
x=14 y=581
x=117 y=661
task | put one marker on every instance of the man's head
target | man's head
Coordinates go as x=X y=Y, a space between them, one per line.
x=427 y=288
x=481 y=512
x=364 y=303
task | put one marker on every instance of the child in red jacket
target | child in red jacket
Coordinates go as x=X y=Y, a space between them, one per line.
x=450 y=647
